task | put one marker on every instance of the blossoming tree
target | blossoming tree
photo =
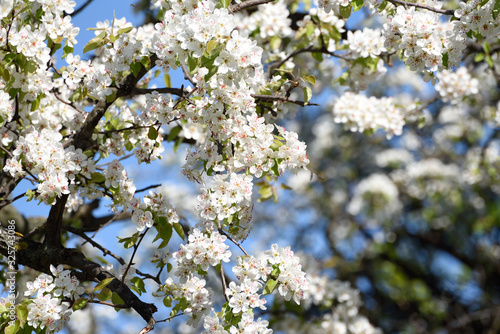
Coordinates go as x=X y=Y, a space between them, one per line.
x=248 y=67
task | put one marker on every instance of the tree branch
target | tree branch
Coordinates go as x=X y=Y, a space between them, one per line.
x=76 y=12
x=247 y=4
x=271 y=98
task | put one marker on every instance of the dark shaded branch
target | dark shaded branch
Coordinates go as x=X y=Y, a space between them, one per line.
x=79 y=10
x=54 y=223
x=165 y=90
x=272 y=98
x=39 y=257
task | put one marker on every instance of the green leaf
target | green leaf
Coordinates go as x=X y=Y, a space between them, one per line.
x=167 y=80
x=275 y=168
x=487 y=47
x=135 y=67
x=9 y=58
x=307 y=94
x=95 y=42
x=192 y=63
x=266 y=192
x=79 y=303
x=138 y=283
x=174 y=132
x=164 y=229
x=211 y=46
x=105 y=294
x=318 y=55
x=153 y=133
x=310 y=78
x=67 y=50
x=22 y=313
x=167 y=301
x=490 y=62
x=382 y=6
x=270 y=286
x=12 y=328
x=496 y=9
x=226 y=3
x=479 y=57
x=6 y=74
x=345 y=12
x=102 y=284
x=124 y=31
x=180 y=231
x=31 y=194
x=356 y=5
x=97 y=178
x=116 y=299
x=111 y=97
x=275 y=42
x=31 y=66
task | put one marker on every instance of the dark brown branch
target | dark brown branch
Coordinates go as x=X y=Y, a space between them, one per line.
x=39 y=257
x=83 y=140
x=247 y=4
x=54 y=223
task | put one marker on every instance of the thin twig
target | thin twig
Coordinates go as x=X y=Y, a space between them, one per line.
x=170 y=318
x=95 y=244
x=147 y=188
x=146 y=275
x=136 y=247
x=412 y=4
x=108 y=304
x=221 y=231
x=187 y=76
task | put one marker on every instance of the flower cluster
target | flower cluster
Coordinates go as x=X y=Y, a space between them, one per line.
x=423 y=38
x=291 y=279
x=202 y=250
x=455 y=86
x=44 y=155
x=270 y=20
x=197 y=298
x=478 y=16
x=360 y=113
x=245 y=295
x=366 y=43
x=50 y=312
